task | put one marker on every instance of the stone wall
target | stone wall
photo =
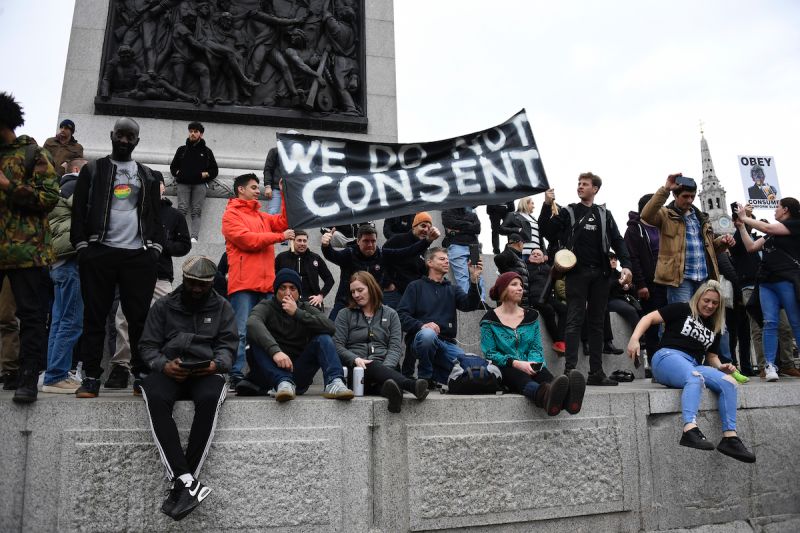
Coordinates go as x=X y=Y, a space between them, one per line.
x=448 y=464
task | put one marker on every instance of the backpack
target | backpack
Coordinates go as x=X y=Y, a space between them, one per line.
x=472 y=374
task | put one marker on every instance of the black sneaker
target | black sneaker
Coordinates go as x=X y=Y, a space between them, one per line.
x=10 y=380
x=599 y=378
x=117 y=378
x=188 y=498
x=391 y=391
x=232 y=382
x=608 y=347
x=246 y=387
x=577 y=388
x=555 y=397
x=421 y=389
x=172 y=497
x=137 y=386
x=90 y=388
x=694 y=438
x=733 y=447
x=27 y=387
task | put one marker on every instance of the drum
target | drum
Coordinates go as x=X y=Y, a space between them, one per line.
x=564 y=261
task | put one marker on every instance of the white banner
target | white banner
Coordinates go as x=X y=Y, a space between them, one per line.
x=760 y=181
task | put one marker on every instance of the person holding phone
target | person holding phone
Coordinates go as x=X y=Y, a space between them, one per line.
x=510 y=338
x=462 y=229
x=189 y=342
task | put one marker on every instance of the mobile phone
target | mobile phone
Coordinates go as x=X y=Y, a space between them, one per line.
x=194 y=365
x=637 y=362
x=734 y=210
x=474 y=253
x=536 y=366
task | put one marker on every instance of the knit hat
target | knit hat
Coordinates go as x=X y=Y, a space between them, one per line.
x=287 y=275
x=421 y=217
x=199 y=268
x=514 y=237
x=67 y=123
x=503 y=281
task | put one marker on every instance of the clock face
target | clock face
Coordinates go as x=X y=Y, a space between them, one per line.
x=724 y=222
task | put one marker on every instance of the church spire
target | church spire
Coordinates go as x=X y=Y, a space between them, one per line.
x=712 y=195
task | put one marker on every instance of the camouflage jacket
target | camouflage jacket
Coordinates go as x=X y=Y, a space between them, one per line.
x=24 y=205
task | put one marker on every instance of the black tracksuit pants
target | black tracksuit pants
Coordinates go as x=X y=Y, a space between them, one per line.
x=102 y=269
x=160 y=392
x=30 y=289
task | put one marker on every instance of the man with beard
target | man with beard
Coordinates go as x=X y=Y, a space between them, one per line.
x=189 y=342
x=117 y=233
x=311 y=268
x=401 y=272
x=64 y=147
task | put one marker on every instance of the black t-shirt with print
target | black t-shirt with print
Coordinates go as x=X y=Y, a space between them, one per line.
x=690 y=335
x=588 y=247
x=778 y=252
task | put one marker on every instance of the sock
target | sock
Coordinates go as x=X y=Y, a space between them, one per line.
x=187 y=479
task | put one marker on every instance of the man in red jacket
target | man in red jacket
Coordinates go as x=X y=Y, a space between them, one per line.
x=249 y=238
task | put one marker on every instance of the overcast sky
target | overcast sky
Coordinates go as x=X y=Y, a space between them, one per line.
x=615 y=87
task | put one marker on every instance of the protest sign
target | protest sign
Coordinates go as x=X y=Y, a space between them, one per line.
x=329 y=181
x=760 y=181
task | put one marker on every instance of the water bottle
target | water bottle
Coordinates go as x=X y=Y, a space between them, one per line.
x=358 y=381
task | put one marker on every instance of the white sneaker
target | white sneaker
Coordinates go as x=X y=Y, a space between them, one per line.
x=771 y=373
x=194 y=240
x=336 y=389
x=65 y=386
x=285 y=391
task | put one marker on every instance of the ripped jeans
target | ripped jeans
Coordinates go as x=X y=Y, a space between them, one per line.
x=679 y=370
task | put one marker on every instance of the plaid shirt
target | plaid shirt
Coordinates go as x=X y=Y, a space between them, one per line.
x=694 y=268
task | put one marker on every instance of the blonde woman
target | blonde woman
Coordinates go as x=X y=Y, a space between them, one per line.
x=523 y=222
x=687 y=359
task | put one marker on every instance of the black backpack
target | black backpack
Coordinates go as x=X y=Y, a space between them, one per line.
x=473 y=375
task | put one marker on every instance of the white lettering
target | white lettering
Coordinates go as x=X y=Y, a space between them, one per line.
x=519 y=121
x=308 y=197
x=463 y=175
x=414 y=162
x=436 y=181
x=491 y=144
x=299 y=157
x=374 y=161
x=490 y=172
x=528 y=157
x=328 y=154
x=403 y=186
x=344 y=192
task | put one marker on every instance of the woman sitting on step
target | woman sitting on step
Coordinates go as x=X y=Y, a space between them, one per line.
x=368 y=335
x=687 y=359
x=510 y=338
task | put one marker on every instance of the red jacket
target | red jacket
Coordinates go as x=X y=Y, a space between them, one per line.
x=249 y=235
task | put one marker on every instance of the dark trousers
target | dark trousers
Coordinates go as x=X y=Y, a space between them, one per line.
x=549 y=310
x=628 y=313
x=377 y=373
x=31 y=293
x=102 y=269
x=657 y=300
x=160 y=393
x=519 y=382
x=320 y=353
x=738 y=325
x=496 y=221
x=587 y=295
x=608 y=333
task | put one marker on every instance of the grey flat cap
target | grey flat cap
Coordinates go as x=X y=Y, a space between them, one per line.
x=200 y=268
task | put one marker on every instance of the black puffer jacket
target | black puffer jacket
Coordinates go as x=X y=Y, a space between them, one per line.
x=91 y=205
x=191 y=160
x=511 y=260
x=461 y=226
x=177 y=242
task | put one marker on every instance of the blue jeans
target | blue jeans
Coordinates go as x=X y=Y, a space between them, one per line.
x=243 y=302
x=775 y=296
x=436 y=356
x=683 y=292
x=66 y=323
x=274 y=203
x=320 y=353
x=679 y=370
x=458 y=255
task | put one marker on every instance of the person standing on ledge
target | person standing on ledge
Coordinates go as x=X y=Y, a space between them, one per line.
x=28 y=192
x=589 y=230
x=64 y=147
x=116 y=230
x=193 y=167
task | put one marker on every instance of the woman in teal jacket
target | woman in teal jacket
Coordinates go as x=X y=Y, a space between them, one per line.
x=510 y=338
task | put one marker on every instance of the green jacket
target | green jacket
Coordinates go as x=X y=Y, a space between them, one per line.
x=272 y=329
x=60 y=219
x=25 y=239
x=502 y=345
